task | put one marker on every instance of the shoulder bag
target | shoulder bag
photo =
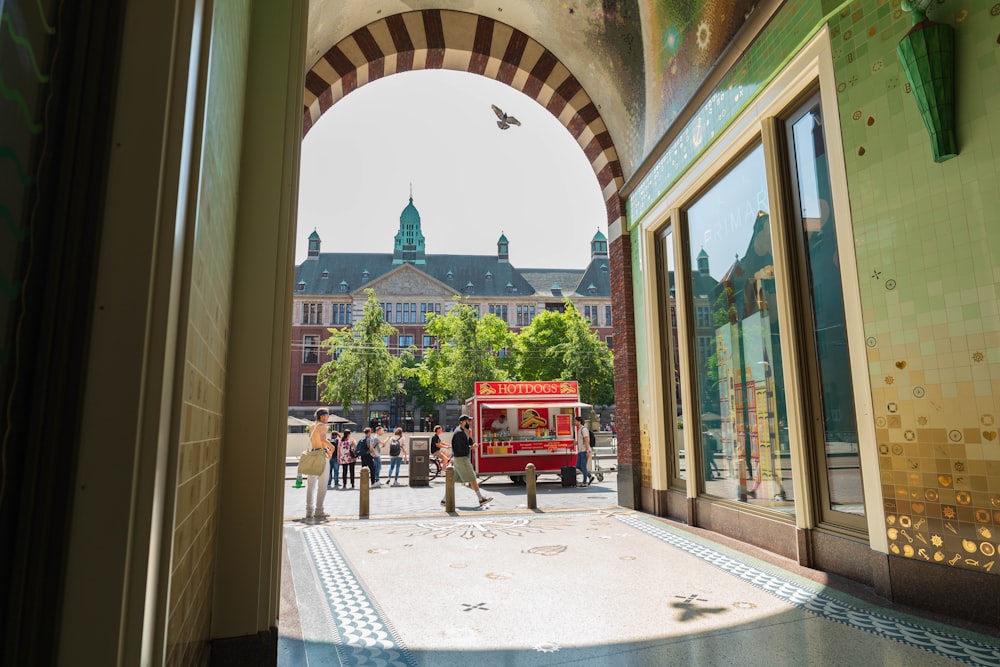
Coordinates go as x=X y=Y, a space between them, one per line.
x=312 y=462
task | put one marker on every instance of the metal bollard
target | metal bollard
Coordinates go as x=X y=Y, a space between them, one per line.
x=529 y=481
x=449 y=488
x=364 y=505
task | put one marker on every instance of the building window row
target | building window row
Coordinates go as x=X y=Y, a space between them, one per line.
x=500 y=310
x=406 y=313
x=428 y=309
x=312 y=313
x=409 y=313
x=341 y=313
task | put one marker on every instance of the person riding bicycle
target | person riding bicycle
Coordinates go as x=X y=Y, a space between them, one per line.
x=439 y=448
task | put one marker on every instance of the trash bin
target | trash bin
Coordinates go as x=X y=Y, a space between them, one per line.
x=420 y=451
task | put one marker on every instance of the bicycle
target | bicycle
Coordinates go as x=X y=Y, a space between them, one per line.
x=435 y=468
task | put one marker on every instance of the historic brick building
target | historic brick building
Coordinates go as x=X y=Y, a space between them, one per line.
x=330 y=292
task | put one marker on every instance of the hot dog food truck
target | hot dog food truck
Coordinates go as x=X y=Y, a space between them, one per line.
x=517 y=423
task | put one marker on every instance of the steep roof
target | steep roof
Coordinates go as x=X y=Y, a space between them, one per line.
x=598 y=274
x=464 y=269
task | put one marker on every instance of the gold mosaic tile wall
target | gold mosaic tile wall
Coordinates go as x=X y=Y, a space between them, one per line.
x=192 y=567
x=927 y=237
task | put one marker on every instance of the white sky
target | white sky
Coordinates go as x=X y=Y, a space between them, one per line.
x=471 y=180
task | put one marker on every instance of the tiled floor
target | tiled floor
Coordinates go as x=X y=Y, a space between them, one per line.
x=596 y=585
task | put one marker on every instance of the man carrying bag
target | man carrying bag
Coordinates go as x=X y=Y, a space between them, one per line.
x=313 y=464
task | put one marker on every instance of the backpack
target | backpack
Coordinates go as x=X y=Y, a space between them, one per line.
x=394 y=447
x=593 y=438
x=362 y=448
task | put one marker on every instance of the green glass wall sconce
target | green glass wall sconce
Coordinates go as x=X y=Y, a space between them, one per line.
x=927 y=54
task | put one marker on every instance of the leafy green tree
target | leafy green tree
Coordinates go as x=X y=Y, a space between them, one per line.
x=588 y=360
x=361 y=368
x=467 y=352
x=420 y=397
x=561 y=346
x=536 y=347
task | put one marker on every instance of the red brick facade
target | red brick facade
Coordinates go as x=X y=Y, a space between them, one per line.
x=626 y=384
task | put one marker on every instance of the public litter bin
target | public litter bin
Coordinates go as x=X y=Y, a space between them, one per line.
x=420 y=451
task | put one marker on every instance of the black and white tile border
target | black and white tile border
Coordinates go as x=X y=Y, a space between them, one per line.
x=825 y=606
x=363 y=635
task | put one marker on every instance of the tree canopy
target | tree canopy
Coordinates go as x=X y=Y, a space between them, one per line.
x=468 y=349
x=560 y=346
x=361 y=367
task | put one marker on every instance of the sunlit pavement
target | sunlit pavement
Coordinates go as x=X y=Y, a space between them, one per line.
x=388 y=499
x=579 y=581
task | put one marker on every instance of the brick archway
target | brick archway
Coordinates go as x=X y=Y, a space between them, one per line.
x=442 y=39
x=464 y=42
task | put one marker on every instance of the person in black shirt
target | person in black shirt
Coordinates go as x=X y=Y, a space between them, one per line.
x=461 y=448
x=438 y=447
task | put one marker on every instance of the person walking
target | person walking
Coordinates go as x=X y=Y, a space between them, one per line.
x=366 y=447
x=461 y=448
x=583 y=452
x=333 y=480
x=347 y=458
x=397 y=454
x=315 y=486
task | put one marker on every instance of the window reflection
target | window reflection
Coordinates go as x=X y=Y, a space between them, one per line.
x=818 y=228
x=680 y=460
x=741 y=394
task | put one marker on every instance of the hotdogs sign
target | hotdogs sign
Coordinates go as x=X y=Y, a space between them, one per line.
x=526 y=388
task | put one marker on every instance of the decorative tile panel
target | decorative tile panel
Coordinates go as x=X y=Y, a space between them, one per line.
x=929 y=282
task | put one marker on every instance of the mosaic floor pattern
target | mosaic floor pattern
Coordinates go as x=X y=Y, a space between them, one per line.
x=587 y=588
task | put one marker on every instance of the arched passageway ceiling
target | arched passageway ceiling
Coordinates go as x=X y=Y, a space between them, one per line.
x=377 y=46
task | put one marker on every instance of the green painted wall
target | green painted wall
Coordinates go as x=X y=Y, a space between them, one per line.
x=926 y=237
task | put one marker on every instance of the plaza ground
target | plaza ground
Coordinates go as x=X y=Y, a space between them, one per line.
x=578 y=581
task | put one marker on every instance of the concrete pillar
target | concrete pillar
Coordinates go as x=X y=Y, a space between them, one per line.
x=364 y=503
x=449 y=488
x=529 y=481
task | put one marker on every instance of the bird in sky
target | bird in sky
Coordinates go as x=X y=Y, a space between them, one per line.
x=504 y=121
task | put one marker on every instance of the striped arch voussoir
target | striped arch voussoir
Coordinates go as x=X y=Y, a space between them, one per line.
x=443 y=39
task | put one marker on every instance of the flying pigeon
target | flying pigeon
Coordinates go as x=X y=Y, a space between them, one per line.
x=504 y=121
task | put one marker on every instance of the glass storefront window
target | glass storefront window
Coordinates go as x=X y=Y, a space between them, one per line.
x=680 y=464
x=743 y=442
x=839 y=438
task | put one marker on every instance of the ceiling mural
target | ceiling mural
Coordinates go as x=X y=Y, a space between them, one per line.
x=640 y=61
x=599 y=41
x=684 y=39
x=603 y=38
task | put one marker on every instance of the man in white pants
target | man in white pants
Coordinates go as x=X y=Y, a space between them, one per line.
x=316 y=484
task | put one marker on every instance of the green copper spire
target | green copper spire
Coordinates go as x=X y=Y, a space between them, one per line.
x=409 y=244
